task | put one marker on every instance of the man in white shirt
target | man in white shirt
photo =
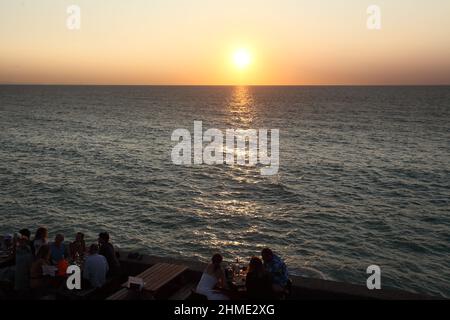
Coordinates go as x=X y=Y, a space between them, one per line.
x=95 y=267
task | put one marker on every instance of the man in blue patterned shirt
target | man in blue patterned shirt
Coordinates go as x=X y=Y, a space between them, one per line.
x=277 y=269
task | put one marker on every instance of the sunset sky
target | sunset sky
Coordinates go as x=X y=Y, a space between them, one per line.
x=200 y=42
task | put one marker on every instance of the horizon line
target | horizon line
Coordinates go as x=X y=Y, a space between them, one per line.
x=229 y=85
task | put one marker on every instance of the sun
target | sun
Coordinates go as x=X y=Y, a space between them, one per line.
x=242 y=58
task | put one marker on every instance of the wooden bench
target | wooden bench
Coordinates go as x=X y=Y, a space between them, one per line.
x=154 y=278
x=122 y=294
x=159 y=275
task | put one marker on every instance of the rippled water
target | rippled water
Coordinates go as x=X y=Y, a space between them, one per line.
x=364 y=176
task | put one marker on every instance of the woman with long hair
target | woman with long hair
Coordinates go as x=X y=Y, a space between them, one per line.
x=213 y=278
x=258 y=282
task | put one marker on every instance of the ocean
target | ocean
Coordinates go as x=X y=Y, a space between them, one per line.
x=364 y=175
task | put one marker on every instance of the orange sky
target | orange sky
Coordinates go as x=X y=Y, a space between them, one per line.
x=192 y=42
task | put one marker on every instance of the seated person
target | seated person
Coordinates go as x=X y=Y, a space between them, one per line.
x=213 y=277
x=37 y=267
x=277 y=269
x=95 y=267
x=78 y=247
x=62 y=266
x=258 y=282
x=107 y=250
x=58 y=249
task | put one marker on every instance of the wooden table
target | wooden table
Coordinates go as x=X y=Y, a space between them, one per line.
x=238 y=282
x=159 y=275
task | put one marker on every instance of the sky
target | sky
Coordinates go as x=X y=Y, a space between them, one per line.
x=193 y=42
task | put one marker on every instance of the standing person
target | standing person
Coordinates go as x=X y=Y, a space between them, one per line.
x=107 y=250
x=24 y=260
x=23 y=233
x=95 y=267
x=258 y=281
x=27 y=234
x=59 y=250
x=213 y=277
x=277 y=269
x=40 y=239
x=78 y=247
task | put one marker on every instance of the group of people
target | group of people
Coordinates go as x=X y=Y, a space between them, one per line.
x=34 y=257
x=267 y=278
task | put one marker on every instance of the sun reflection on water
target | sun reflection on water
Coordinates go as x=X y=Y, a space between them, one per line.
x=241 y=107
x=242 y=112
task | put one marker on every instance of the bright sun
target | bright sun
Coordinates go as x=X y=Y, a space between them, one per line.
x=241 y=58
